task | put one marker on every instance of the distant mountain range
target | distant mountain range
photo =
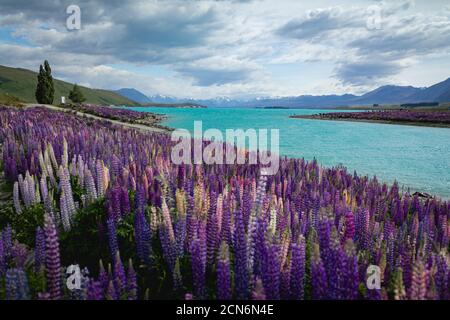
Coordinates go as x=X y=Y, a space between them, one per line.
x=389 y=94
x=21 y=83
x=134 y=95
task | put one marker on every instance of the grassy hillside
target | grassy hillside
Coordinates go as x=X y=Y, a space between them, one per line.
x=6 y=99
x=21 y=83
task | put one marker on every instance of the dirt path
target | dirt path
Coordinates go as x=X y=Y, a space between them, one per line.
x=125 y=124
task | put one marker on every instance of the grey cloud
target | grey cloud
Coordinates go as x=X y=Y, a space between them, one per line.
x=366 y=72
x=219 y=71
x=207 y=77
x=318 y=22
x=135 y=31
x=410 y=36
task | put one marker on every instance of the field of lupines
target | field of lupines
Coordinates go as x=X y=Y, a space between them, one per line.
x=110 y=199
x=124 y=115
x=416 y=116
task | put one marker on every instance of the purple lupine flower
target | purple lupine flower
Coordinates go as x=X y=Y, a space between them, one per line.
x=258 y=292
x=132 y=286
x=52 y=260
x=177 y=278
x=111 y=293
x=120 y=279
x=224 y=273
x=272 y=270
x=103 y=277
x=441 y=277
x=418 y=289
x=225 y=232
x=43 y=296
x=318 y=278
x=142 y=237
x=240 y=252
x=298 y=270
x=125 y=207
x=19 y=254
x=7 y=240
x=285 y=281
x=211 y=231
x=198 y=258
x=112 y=238
x=3 y=258
x=349 y=226
x=180 y=234
x=351 y=273
x=16 y=285
x=94 y=290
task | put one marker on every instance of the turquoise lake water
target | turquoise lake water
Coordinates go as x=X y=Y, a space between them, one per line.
x=417 y=157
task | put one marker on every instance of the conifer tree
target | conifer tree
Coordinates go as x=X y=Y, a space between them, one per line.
x=76 y=95
x=45 y=90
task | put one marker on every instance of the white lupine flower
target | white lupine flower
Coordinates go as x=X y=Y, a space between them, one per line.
x=99 y=176
x=90 y=185
x=31 y=188
x=64 y=177
x=42 y=164
x=21 y=186
x=44 y=189
x=73 y=166
x=106 y=177
x=52 y=156
x=25 y=193
x=65 y=218
x=80 y=170
x=16 y=197
x=273 y=221
x=65 y=155
x=83 y=200
x=37 y=197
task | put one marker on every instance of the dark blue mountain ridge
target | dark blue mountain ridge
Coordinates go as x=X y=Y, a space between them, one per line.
x=134 y=95
x=389 y=94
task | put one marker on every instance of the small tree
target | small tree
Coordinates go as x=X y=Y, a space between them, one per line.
x=76 y=95
x=45 y=90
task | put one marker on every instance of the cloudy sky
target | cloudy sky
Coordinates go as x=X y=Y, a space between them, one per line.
x=238 y=49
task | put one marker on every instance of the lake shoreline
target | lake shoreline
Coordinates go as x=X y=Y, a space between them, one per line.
x=154 y=127
x=403 y=123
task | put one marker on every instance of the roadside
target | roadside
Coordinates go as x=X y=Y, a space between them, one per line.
x=82 y=114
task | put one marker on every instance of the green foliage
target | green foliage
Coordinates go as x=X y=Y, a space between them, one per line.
x=8 y=100
x=21 y=83
x=24 y=224
x=76 y=95
x=45 y=90
x=76 y=244
x=36 y=282
x=2 y=288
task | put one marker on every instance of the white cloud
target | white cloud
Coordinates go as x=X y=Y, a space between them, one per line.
x=227 y=47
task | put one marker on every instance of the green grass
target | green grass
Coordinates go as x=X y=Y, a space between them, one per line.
x=21 y=83
x=6 y=99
